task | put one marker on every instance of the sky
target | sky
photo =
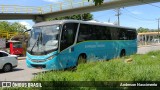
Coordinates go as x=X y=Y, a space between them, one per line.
x=134 y=16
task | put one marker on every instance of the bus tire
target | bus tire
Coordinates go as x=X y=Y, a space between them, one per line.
x=123 y=53
x=82 y=59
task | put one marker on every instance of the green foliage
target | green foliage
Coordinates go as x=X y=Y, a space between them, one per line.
x=11 y=27
x=140 y=30
x=85 y=17
x=97 y=2
x=142 y=68
x=18 y=27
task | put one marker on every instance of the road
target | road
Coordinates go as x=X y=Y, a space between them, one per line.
x=148 y=48
x=20 y=73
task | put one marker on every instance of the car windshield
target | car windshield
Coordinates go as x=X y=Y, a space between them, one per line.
x=44 y=39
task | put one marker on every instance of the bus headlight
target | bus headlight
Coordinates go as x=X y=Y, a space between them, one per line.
x=50 y=58
x=28 y=58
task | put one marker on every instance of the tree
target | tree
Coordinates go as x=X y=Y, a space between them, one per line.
x=97 y=2
x=12 y=27
x=18 y=27
x=140 y=30
x=85 y=17
x=5 y=26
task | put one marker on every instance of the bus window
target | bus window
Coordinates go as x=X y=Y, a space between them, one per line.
x=131 y=34
x=122 y=34
x=68 y=35
x=107 y=33
x=93 y=32
x=103 y=33
x=84 y=33
x=114 y=33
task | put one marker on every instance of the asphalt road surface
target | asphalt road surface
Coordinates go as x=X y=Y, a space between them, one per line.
x=20 y=73
x=148 y=48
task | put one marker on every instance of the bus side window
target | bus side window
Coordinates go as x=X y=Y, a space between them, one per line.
x=131 y=34
x=122 y=34
x=84 y=33
x=93 y=33
x=107 y=33
x=114 y=33
x=68 y=35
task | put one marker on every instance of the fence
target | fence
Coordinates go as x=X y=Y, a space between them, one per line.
x=59 y=6
x=7 y=35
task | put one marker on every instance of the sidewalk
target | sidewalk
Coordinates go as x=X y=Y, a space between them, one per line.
x=21 y=58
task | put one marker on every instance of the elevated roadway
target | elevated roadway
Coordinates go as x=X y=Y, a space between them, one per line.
x=9 y=12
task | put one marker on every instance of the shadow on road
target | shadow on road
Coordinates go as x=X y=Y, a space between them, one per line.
x=14 y=70
x=17 y=69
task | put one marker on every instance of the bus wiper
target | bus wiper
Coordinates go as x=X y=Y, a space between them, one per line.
x=39 y=38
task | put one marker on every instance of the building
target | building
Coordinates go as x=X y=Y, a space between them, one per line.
x=148 y=38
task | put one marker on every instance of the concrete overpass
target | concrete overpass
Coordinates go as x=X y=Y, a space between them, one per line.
x=9 y=12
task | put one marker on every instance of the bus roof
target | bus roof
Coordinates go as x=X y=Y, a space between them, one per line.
x=77 y=21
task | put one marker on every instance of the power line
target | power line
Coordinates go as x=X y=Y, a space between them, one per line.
x=149 y=4
x=154 y=5
x=137 y=17
x=102 y=16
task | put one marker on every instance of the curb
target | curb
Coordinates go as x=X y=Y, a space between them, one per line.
x=148 y=45
x=21 y=58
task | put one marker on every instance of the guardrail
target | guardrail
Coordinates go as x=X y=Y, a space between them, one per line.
x=19 y=9
x=67 y=4
x=7 y=35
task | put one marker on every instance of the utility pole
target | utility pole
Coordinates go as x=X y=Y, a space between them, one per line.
x=118 y=14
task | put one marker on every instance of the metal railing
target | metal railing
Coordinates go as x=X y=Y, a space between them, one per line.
x=7 y=35
x=19 y=9
x=67 y=4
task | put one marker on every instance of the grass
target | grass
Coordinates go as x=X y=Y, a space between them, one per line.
x=141 y=68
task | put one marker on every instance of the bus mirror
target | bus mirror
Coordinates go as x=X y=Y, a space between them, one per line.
x=27 y=30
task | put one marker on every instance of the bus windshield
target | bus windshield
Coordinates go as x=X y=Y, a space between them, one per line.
x=43 y=39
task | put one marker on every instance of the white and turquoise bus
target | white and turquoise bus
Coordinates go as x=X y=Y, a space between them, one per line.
x=60 y=44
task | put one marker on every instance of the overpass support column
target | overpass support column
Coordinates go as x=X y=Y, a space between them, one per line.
x=145 y=39
x=38 y=19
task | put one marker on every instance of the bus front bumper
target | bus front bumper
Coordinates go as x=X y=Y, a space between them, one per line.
x=47 y=65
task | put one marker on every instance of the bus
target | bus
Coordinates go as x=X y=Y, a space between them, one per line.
x=60 y=44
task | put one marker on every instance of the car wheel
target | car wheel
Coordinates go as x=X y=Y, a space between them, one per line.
x=7 y=67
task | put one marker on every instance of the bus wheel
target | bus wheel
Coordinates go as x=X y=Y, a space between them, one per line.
x=82 y=59
x=123 y=53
